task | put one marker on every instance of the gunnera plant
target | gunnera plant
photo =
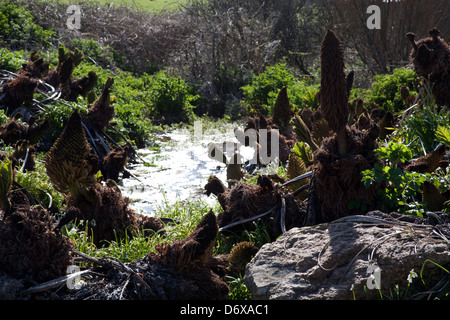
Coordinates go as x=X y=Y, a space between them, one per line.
x=333 y=88
x=72 y=167
x=68 y=162
x=282 y=111
x=345 y=153
x=31 y=247
x=16 y=92
x=431 y=60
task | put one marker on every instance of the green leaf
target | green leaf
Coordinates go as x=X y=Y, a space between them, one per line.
x=443 y=135
x=6 y=180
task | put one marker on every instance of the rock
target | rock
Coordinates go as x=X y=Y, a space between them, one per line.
x=331 y=261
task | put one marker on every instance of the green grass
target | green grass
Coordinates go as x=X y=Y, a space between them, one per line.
x=187 y=215
x=145 y=5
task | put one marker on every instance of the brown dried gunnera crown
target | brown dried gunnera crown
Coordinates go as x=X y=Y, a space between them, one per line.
x=67 y=160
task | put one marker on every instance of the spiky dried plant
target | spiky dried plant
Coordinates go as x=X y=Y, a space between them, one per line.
x=240 y=255
x=333 y=88
x=342 y=156
x=428 y=162
x=101 y=111
x=282 y=111
x=431 y=60
x=17 y=92
x=67 y=161
x=35 y=66
x=30 y=246
x=193 y=251
x=320 y=127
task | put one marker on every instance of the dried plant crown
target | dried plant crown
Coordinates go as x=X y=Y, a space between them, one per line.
x=333 y=90
x=282 y=109
x=241 y=254
x=67 y=160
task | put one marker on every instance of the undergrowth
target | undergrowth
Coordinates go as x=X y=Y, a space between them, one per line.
x=147 y=101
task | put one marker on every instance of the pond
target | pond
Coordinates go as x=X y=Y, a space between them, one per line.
x=179 y=170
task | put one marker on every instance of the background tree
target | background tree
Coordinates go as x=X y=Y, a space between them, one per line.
x=382 y=50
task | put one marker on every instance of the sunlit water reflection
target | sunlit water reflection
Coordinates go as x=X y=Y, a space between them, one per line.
x=179 y=171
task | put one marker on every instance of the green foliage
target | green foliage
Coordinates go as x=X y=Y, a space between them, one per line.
x=304 y=95
x=38 y=184
x=85 y=66
x=6 y=181
x=423 y=124
x=443 y=135
x=260 y=95
x=131 y=99
x=3 y=117
x=16 y=24
x=304 y=152
x=399 y=189
x=394 y=153
x=58 y=114
x=169 y=98
x=386 y=89
x=419 y=129
x=11 y=60
x=238 y=289
x=6 y=176
x=93 y=50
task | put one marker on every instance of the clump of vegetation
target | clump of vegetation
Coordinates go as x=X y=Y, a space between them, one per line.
x=261 y=93
x=11 y=60
x=169 y=99
x=366 y=154
x=346 y=151
x=400 y=189
x=386 y=91
x=18 y=29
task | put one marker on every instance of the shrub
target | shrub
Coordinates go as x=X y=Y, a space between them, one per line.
x=260 y=95
x=170 y=98
x=386 y=89
x=105 y=56
x=16 y=25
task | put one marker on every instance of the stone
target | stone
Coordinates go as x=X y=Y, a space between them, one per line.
x=331 y=261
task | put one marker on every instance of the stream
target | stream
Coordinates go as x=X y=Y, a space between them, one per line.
x=179 y=170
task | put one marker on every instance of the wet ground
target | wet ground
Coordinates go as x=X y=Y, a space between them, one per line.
x=180 y=169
